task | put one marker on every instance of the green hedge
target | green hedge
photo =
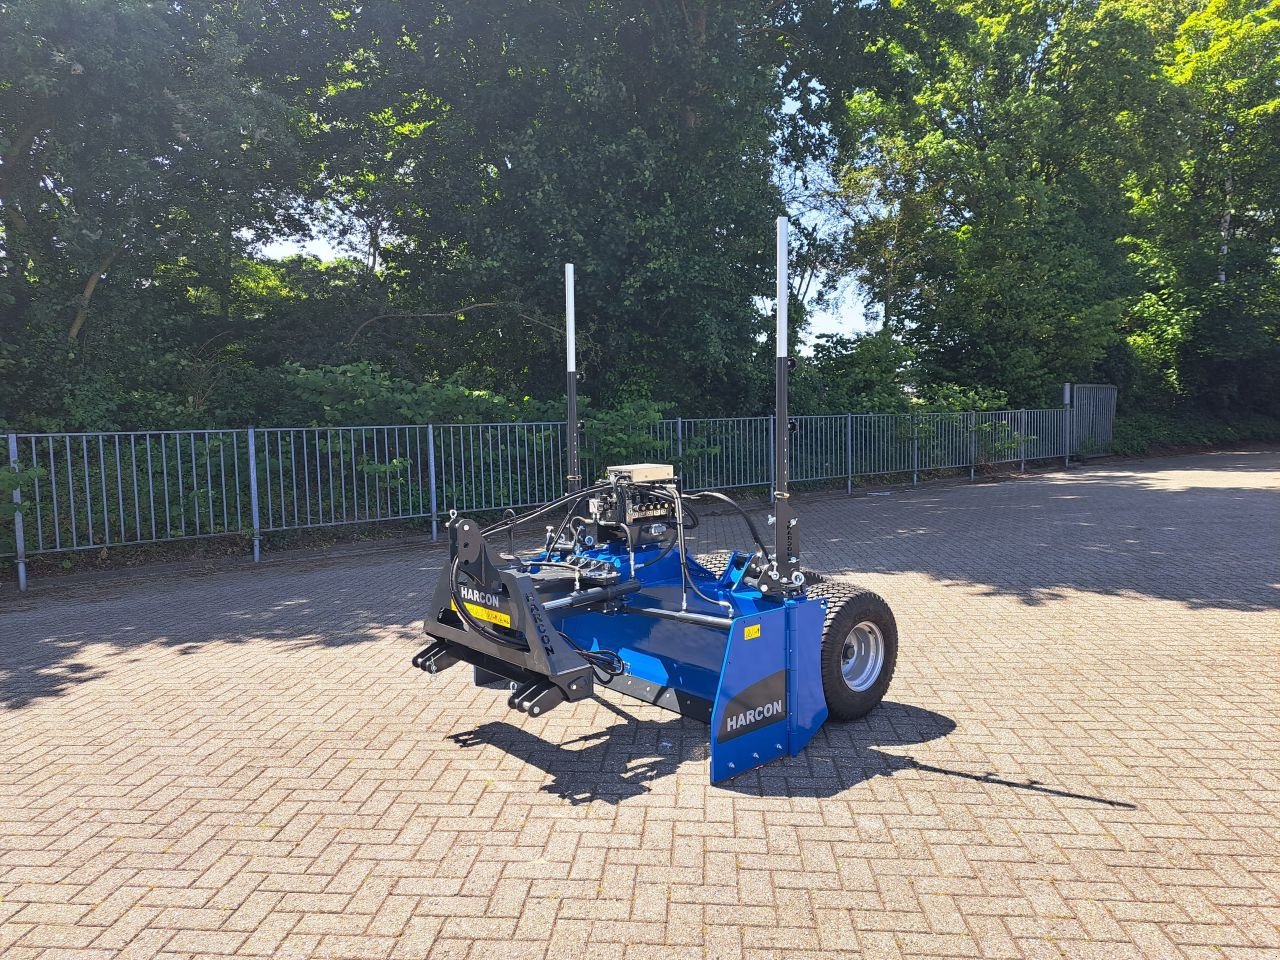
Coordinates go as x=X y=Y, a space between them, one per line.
x=1145 y=432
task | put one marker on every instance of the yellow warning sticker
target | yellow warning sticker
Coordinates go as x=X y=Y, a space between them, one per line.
x=751 y=632
x=485 y=613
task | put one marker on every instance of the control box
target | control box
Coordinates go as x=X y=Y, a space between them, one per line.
x=643 y=473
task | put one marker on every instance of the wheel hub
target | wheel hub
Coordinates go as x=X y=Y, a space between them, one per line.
x=862 y=657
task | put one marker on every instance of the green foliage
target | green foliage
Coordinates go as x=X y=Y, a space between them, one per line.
x=1144 y=432
x=1207 y=326
x=983 y=194
x=11 y=480
x=134 y=138
x=951 y=397
x=1035 y=193
x=1028 y=192
x=363 y=393
x=626 y=431
x=865 y=374
x=876 y=373
x=508 y=139
x=463 y=153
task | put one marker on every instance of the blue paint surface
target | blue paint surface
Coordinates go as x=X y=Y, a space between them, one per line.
x=715 y=664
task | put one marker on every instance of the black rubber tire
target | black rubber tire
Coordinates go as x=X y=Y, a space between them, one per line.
x=847 y=606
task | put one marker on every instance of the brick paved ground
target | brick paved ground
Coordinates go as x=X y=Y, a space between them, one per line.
x=1081 y=758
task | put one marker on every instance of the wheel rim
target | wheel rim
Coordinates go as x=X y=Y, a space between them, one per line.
x=862 y=657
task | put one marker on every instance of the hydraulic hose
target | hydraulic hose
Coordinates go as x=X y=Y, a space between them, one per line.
x=686 y=581
x=460 y=605
x=565 y=499
x=751 y=524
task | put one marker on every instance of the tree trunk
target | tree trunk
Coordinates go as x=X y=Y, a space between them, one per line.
x=1225 y=227
x=82 y=311
x=375 y=243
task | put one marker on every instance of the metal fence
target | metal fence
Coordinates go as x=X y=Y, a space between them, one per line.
x=1093 y=407
x=81 y=491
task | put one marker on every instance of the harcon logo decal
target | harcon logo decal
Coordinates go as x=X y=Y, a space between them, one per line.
x=760 y=705
x=755 y=714
x=478 y=596
x=480 y=604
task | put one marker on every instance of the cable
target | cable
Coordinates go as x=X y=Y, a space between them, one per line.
x=560 y=501
x=560 y=565
x=460 y=606
x=697 y=521
x=686 y=581
x=665 y=550
x=626 y=532
x=755 y=531
x=606 y=662
x=568 y=519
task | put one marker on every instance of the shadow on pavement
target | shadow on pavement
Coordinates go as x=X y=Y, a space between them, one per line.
x=1146 y=529
x=610 y=764
x=622 y=760
x=1155 y=529
x=51 y=645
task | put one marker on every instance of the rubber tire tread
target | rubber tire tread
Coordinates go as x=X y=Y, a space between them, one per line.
x=843 y=703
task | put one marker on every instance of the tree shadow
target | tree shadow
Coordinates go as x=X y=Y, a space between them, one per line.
x=1154 y=530
x=1150 y=530
x=51 y=645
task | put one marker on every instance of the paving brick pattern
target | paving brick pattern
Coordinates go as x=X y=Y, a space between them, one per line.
x=1080 y=757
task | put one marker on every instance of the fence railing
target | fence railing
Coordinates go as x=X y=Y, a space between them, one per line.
x=80 y=491
x=1093 y=416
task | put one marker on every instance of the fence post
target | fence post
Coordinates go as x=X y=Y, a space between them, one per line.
x=915 y=452
x=1022 y=441
x=1066 y=425
x=680 y=442
x=431 y=480
x=19 y=538
x=973 y=444
x=253 y=495
x=848 y=450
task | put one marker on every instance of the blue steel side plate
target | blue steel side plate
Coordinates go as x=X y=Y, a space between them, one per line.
x=769 y=702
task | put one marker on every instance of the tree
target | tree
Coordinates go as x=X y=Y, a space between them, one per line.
x=983 y=194
x=1030 y=192
x=632 y=140
x=864 y=374
x=132 y=135
x=1207 y=326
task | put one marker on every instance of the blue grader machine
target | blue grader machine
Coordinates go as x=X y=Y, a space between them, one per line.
x=613 y=599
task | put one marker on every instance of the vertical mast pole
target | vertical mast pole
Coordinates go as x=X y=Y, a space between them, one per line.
x=573 y=479
x=781 y=441
x=786 y=550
